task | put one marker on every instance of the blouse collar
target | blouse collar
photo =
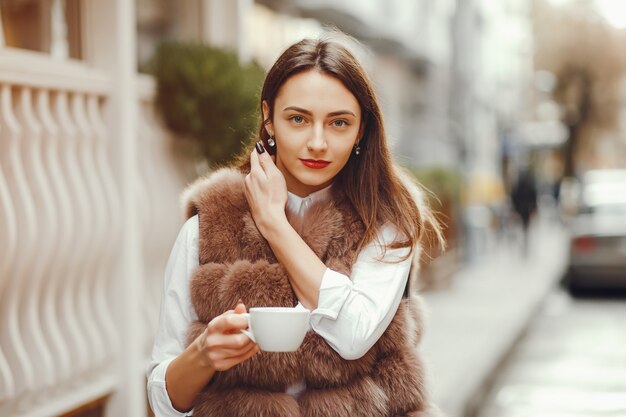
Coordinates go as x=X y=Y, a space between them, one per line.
x=300 y=205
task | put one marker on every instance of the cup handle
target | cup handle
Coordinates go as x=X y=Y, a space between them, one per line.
x=248 y=332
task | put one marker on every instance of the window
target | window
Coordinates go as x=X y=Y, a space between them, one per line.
x=48 y=26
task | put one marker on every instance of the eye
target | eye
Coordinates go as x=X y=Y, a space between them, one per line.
x=297 y=119
x=340 y=123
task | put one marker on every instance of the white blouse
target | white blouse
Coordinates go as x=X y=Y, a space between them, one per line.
x=352 y=312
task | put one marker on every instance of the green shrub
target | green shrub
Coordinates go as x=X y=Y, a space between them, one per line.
x=444 y=183
x=444 y=186
x=206 y=94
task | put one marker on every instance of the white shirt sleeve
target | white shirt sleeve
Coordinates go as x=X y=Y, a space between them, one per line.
x=352 y=313
x=175 y=317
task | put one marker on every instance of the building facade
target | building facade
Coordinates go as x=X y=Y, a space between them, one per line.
x=89 y=185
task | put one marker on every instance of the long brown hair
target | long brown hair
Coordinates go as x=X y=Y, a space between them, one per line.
x=370 y=181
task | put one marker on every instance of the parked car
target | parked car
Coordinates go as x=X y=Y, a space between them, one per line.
x=598 y=233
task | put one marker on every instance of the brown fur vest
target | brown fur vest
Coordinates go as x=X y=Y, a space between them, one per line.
x=236 y=262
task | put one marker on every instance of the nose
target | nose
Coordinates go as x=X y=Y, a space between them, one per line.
x=317 y=141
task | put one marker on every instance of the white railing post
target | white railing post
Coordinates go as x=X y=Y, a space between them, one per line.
x=11 y=333
x=110 y=45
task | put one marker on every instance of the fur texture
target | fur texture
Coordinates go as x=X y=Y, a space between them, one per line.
x=237 y=263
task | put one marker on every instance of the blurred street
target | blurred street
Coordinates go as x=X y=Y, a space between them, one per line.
x=507 y=341
x=571 y=363
x=473 y=325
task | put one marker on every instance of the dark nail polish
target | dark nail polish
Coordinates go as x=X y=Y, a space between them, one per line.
x=259 y=147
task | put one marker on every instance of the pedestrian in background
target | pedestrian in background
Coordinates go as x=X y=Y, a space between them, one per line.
x=524 y=200
x=315 y=216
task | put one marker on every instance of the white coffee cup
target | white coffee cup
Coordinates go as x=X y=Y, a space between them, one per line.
x=277 y=329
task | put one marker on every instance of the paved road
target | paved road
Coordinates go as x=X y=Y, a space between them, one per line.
x=571 y=363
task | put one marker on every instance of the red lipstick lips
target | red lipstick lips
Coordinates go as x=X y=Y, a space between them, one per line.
x=314 y=163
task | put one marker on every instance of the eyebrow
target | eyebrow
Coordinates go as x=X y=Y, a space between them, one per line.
x=334 y=113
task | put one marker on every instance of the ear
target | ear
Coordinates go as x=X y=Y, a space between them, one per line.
x=266 y=118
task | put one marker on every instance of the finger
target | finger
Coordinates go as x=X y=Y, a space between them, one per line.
x=211 y=325
x=267 y=162
x=255 y=165
x=236 y=341
x=229 y=363
x=231 y=342
x=240 y=308
x=228 y=322
x=261 y=159
x=269 y=167
x=265 y=159
x=233 y=353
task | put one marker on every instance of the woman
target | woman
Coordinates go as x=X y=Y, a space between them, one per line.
x=326 y=223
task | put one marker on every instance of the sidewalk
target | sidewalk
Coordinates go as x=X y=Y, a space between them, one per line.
x=472 y=325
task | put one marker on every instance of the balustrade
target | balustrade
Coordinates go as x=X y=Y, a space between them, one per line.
x=61 y=227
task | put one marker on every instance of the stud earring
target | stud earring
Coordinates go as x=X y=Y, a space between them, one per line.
x=357 y=149
x=271 y=142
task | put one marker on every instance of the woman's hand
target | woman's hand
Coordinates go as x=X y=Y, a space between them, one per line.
x=266 y=191
x=222 y=345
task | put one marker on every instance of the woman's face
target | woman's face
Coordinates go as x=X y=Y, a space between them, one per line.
x=316 y=124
